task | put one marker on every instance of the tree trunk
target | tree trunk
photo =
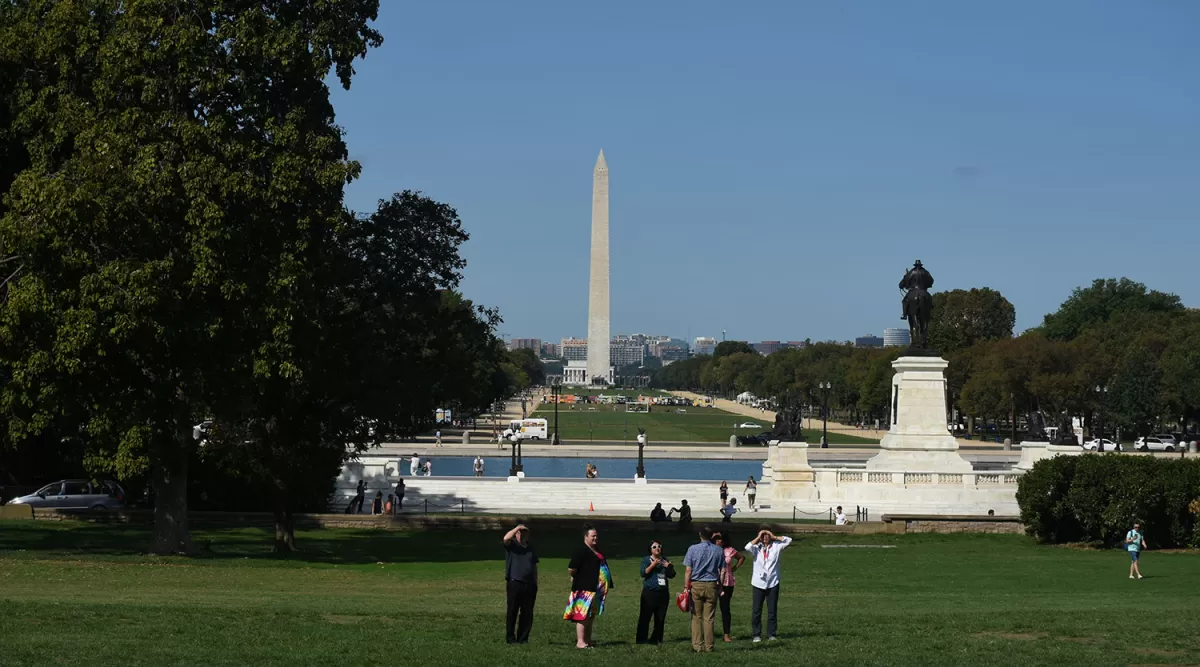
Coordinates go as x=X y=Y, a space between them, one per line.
x=285 y=533
x=171 y=534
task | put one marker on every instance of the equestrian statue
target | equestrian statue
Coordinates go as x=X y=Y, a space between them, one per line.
x=917 y=304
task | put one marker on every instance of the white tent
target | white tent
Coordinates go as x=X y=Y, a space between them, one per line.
x=746 y=398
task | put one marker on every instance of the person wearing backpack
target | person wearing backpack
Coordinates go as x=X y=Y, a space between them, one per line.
x=1134 y=543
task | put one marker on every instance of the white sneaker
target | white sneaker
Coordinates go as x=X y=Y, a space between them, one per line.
x=756 y=640
x=1131 y=576
x=771 y=639
x=1139 y=576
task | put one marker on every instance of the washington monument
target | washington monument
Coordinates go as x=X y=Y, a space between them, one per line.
x=598 y=364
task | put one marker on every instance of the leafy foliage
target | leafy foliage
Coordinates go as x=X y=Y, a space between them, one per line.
x=1105 y=299
x=1094 y=498
x=962 y=318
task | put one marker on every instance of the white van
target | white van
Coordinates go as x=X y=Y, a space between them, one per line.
x=530 y=429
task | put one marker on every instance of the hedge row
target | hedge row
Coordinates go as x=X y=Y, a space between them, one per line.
x=1096 y=498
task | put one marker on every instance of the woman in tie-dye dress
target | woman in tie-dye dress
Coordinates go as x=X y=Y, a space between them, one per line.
x=590 y=583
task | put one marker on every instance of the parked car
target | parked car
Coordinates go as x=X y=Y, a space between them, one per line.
x=1109 y=445
x=1154 y=444
x=1167 y=437
x=75 y=494
x=749 y=425
x=762 y=439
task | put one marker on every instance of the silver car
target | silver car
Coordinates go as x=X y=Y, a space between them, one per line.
x=75 y=494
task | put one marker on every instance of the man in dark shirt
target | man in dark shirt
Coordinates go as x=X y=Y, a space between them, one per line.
x=685 y=514
x=658 y=514
x=520 y=573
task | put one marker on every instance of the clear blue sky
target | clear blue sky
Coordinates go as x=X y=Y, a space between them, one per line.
x=776 y=166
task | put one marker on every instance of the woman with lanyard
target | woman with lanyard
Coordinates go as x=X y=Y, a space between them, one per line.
x=590 y=583
x=656 y=570
x=733 y=560
x=765 y=550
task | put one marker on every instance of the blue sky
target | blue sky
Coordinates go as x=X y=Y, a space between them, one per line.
x=776 y=166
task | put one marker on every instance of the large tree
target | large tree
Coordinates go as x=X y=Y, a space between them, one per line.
x=1105 y=299
x=185 y=175
x=962 y=318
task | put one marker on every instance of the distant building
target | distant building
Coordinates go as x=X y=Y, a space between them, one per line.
x=551 y=351
x=870 y=340
x=574 y=349
x=534 y=344
x=895 y=337
x=671 y=349
x=797 y=344
x=768 y=347
x=627 y=354
x=704 y=345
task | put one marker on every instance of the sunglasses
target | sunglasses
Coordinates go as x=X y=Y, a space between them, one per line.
x=655 y=546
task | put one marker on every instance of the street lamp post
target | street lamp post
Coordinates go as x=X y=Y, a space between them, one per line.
x=555 y=391
x=825 y=387
x=512 y=469
x=519 y=447
x=1102 y=392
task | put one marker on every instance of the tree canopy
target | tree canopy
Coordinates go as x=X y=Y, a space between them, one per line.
x=1101 y=302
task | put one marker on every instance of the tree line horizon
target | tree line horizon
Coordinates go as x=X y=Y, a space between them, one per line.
x=1114 y=346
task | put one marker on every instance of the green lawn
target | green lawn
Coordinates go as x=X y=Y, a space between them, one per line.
x=665 y=425
x=74 y=594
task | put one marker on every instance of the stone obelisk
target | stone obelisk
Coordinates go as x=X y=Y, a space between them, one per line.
x=598 y=363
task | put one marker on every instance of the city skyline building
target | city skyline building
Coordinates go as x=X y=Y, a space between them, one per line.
x=869 y=340
x=895 y=337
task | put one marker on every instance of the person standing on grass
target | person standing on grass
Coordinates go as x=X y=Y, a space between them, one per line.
x=705 y=566
x=751 y=491
x=478 y=466
x=656 y=596
x=765 y=550
x=733 y=560
x=724 y=492
x=521 y=580
x=590 y=582
x=1134 y=543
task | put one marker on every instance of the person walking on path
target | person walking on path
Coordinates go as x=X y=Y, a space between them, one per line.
x=437 y=438
x=428 y=467
x=414 y=464
x=1134 y=543
x=733 y=560
x=590 y=582
x=400 y=495
x=765 y=550
x=360 y=496
x=478 y=466
x=377 y=505
x=751 y=491
x=724 y=492
x=521 y=581
x=705 y=566
x=656 y=596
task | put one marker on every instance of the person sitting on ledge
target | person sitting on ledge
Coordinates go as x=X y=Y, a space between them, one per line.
x=685 y=513
x=658 y=514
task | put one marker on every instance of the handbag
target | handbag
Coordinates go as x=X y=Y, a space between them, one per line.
x=683 y=600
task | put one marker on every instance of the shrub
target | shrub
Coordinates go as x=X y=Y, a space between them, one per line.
x=1097 y=498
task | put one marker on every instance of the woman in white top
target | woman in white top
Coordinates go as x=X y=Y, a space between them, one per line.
x=765 y=550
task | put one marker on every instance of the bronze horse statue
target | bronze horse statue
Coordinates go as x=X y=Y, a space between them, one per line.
x=917 y=303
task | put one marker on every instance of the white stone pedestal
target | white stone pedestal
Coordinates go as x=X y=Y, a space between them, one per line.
x=792 y=478
x=918 y=438
x=1032 y=452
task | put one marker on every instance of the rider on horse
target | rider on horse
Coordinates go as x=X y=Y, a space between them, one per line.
x=917 y=281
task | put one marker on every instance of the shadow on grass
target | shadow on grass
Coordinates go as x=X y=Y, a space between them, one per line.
x=340 y=546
